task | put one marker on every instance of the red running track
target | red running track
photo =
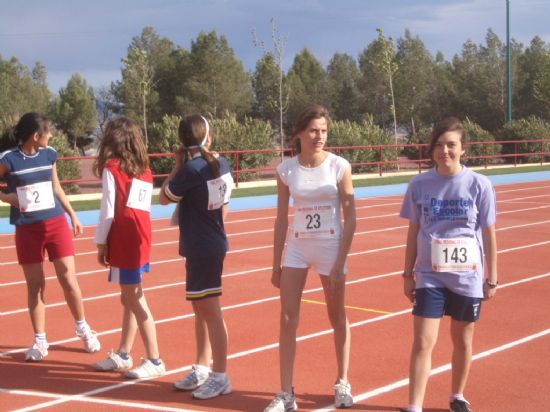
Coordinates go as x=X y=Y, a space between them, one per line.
x=511 y=370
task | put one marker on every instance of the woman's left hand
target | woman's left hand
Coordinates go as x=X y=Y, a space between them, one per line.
x=77 y=226
x=488 y=293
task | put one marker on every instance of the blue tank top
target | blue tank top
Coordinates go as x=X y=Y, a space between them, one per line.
x=24 y=170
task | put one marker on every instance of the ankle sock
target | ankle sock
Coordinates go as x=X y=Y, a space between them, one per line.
x=155 y=361
x=40 y=337
x=124 y=355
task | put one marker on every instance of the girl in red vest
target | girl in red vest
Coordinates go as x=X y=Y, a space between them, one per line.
x=123 y=240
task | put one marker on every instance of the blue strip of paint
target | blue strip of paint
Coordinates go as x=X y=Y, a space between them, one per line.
x=90 y=217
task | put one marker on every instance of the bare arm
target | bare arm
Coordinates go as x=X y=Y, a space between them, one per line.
x=58 y=190
x=347 y=199
x=178 y=157
x=490 y=248
x=409 y=283
x=10 y=198
x=280 y=230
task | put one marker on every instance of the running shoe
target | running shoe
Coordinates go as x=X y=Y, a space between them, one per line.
x=459 y=405
x=114 y=362
x=37 y=352
x=282 y=402
x=342 y=394
x=213 y=387
x=193 y=380
x=89 y=337
x=147 y=369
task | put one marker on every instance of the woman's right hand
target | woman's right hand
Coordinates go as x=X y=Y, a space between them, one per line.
x=10 y=198
x=102 y=255
x=409 y=286
x=276 y=276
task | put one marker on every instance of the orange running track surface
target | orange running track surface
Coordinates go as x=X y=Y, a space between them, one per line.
x=511 y=367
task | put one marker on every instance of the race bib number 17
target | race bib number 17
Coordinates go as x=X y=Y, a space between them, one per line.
x=35 y=197
x=140 y=195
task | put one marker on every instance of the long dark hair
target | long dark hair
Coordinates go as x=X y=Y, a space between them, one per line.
x=122 y=140
x=448 y=124
x=313 y=111
x=29 y=124
x=192 y=131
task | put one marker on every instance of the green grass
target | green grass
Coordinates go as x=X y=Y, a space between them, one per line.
x=81 y=205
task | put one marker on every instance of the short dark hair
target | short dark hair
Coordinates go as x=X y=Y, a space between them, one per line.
x=448 y=124
x=29 y=124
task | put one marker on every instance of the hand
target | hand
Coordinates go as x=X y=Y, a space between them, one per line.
x=276 y=276
x=336 y=278
x=102 y=255
x=77 y=226
x=409 y=287
x=10 y=198
x=488 y=293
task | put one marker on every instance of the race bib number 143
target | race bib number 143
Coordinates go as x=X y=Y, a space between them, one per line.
x=455 y=255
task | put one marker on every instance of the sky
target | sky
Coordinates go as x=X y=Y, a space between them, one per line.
x=91 y=37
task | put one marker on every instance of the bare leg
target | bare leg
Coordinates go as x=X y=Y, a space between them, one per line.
x=209 y=310
x=291 y=287
x=425 y=336
x=462 y=334
x=134 y=297
x=65 y=271
x=129 y=326
x=202 y=339
x=36 y=285
x=335 y=299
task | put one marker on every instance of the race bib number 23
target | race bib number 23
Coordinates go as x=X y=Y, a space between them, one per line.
x=316 y=221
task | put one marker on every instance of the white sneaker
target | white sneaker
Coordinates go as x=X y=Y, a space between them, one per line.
x=89 y=337
x=194 y=379
x=282 y=402
x=147 y=369
x=342 y=394
x=114 y=362
x=213 y=387
x=37 y=352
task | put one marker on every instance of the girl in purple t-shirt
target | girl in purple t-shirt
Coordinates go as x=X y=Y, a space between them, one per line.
x=451 y=213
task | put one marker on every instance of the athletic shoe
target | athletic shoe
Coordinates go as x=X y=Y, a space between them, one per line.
x=37 y=352
x=212 y=387
x=282 y=402
x=458 y=405
x=147 y=369
x=342 y=394
x=89 y=337
x=193 y=380
x=114 y=362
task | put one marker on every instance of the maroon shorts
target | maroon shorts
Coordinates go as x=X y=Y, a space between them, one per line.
x=52 y=235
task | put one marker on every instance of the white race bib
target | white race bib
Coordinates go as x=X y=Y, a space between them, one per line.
x=218 y=193
x=38 y=196
x=314 y=221
x=455 y=255
x=140 y=195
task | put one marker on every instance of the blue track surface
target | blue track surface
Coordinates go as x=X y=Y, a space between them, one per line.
x=90 y=217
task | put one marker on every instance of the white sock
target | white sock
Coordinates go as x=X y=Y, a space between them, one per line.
x=457 y=396
x=81 y=325
x=202 y=369
x=414 y=408
x=219 y=376
x=40 y=336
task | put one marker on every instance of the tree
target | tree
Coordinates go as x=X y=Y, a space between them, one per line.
x=413 y=81
x=217 y=81
x=22 y=91
x=532 y=69
x=75 y=111
x=343 y=78
x=388 y=65
x=262 y=89
x=541 y=87
x=307 y=83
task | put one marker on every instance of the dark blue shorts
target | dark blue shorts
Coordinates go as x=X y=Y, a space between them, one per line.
x=436 y=302
x=204 y=276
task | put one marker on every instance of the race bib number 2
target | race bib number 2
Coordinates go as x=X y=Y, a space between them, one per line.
x=315 y=221
x=35 y=197
x=455 y=255
x=140 y=195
